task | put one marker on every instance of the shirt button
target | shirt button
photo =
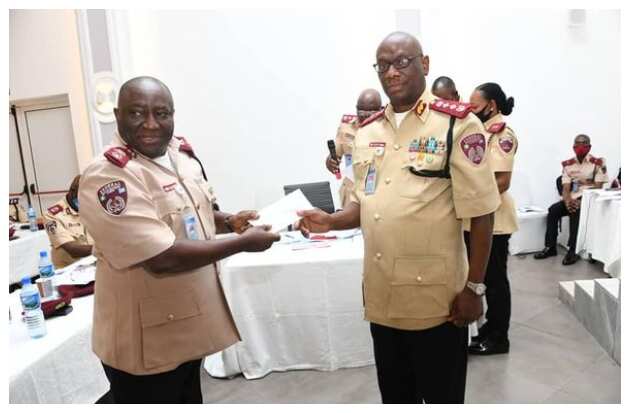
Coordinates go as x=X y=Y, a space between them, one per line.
x=171 y=317
x=387 y=181
x=378 y=255
x=419 y=278
x=377 y=217
x=396 y=147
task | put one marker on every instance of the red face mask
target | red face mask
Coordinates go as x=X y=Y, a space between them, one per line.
x=582 y=149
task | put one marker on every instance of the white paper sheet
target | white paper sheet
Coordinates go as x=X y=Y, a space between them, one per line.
x=283 y=212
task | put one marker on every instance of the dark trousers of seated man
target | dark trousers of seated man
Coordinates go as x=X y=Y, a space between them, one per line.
x=421 y=366
x=182 y=385
x=556 y=212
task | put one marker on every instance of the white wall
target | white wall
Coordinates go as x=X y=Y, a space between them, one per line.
x=258 y=92
x=44 y=60
x=565 y=81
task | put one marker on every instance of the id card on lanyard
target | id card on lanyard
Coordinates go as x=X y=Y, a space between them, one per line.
x=370 y=180
x=190 y=224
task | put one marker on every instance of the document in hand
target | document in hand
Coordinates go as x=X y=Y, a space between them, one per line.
x=283 y=212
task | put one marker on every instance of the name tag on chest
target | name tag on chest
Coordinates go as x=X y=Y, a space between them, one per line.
x=370 y=180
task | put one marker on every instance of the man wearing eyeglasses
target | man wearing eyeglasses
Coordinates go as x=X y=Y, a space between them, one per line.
x=369 y=103
x=420 y=168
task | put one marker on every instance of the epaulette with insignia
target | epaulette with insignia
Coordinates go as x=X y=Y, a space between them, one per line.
x=597 y=161
x=372 y=118
x=568 y=162
x=496 y=127
x=55 y=209
x=348 y=118
x=185 y=146
x=451 y=107
x=119 y=155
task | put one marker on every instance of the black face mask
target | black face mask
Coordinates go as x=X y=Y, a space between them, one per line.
x=483 y=117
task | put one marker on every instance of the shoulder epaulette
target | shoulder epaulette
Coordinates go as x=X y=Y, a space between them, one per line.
x=119 y=155
x=597 y=161
x=55 y=209
x=496 y=127
x=348 y=118
x=185 y=146
x=568 y=162
x=451 y=107
x=372 y=118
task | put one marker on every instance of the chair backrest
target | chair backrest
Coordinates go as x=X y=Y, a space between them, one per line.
x=318 y=194
x=559 y=185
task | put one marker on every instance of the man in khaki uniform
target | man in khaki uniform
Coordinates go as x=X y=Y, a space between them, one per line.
x=159 y=307
x=444 y=88
x=419 y=167
x=490 y=104
x=584 y=171
x=68 y=237
x=16 y=211
x=369 y=102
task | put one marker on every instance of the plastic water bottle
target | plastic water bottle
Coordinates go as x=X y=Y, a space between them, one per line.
x=32 y=218
x=31 y=303
x=46 y=273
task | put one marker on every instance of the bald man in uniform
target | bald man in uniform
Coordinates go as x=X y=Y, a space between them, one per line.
x=583 y=171
x=420 y=167
x=369 y=102
x=68 y=237
x=444 y=88
x=159 y=307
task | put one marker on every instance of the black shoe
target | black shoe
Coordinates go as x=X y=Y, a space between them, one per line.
x=570 y=259
x=546 y=253
x=491 y=345
x=482 y=333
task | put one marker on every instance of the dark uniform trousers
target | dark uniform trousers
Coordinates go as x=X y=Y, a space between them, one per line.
x=182 y=385
x=421 y=365
x=498 y=294
x=556 y=212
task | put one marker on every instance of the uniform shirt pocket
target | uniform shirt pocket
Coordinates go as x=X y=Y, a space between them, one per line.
x=170 y=208
x=419 y=288
x=361 y=160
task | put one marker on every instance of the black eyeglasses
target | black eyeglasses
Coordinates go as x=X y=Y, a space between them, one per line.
x=400 y=63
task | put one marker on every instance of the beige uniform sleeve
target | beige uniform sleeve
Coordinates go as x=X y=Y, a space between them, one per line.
x=475 y=190
x=566 y=179
x=339 y=141
x=57 y=233
x=502 y=151
x=602 y=174
x=131 y=236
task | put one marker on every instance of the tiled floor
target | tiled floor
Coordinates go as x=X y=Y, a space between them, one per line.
x=552 y=359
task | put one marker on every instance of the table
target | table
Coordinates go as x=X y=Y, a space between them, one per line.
x=599 y=233
x=24 y=253
x=295 y=309
x=59 y=367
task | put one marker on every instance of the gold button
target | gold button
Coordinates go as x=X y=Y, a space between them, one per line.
x=396 y=146
x=377 y=217
x=171 y=317
x=419 y=278
x=378 y=255
x=387 y=181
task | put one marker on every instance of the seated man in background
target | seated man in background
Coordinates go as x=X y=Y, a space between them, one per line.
x=444 y=88
x=369 y=103
x=68 y=237
x=16 y=211
x=584 y=171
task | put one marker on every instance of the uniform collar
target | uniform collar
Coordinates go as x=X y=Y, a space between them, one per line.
x=419 y=109
x=172 y=149
x=498 y=118
x=66 y=207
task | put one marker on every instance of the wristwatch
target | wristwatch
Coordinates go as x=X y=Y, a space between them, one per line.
x=227 y=223
x=477 y=288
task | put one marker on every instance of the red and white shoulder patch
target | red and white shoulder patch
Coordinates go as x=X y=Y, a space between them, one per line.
x=348 y=118
x=372 y=118
x=474 y=147
x=568 y=162
x=496 y=127
x=597 y=161
x=451 y=107
x=185 y=146
x=113 y=197
x=119 y=155
x=506 y=144
x=55 y=209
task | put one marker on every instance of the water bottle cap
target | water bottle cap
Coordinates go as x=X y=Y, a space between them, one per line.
x=26 y=280
x=43 y=254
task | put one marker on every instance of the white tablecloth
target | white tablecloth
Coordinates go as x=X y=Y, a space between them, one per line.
x=599 y=233
x=59 y=367
x=24 y=253
x=295 y=309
